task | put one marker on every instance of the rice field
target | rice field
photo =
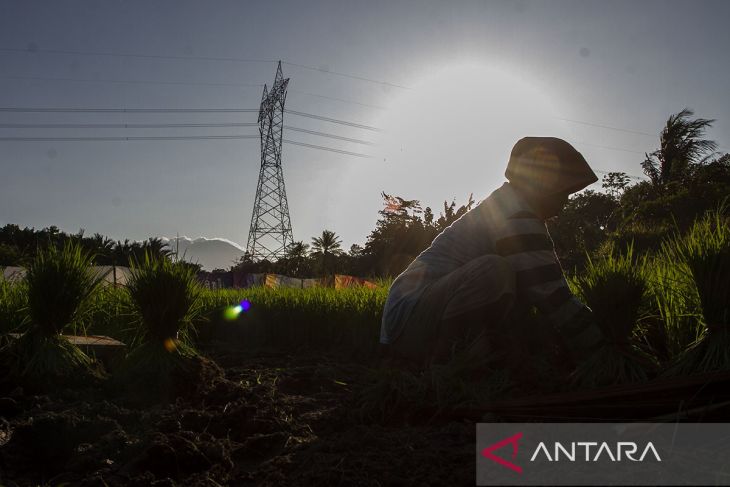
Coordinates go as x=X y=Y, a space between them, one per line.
x=348 y=320
x=667 y=318
x=261 y=376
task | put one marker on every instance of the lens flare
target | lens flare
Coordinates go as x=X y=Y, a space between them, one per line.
x=169 y=345
x=232 y=312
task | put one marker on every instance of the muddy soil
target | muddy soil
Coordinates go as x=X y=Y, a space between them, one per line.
x=274 y=419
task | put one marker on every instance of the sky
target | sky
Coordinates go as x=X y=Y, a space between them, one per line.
x=450 y=86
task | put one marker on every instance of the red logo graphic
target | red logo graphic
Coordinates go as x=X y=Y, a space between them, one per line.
x=487 y=452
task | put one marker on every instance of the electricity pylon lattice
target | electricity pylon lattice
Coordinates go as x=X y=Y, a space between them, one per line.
x=270 y=233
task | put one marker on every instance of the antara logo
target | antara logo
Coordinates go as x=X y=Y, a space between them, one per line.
x=513 y=440
x=622 y=450
x=627 y=448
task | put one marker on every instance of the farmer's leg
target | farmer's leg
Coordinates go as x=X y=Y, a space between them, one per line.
x=483 y=288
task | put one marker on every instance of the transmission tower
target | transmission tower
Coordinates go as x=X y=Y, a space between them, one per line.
x=270 y=233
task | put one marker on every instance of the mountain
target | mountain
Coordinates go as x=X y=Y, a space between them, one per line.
x=211 y=253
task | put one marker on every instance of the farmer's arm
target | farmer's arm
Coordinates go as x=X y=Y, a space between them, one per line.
x=525 y=243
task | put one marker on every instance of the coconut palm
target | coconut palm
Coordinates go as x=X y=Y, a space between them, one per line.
x=325 y=247
x=156 y=247
x=103 y=248
x=681 y=144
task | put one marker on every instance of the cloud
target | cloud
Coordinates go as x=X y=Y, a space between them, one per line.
x=189 y=240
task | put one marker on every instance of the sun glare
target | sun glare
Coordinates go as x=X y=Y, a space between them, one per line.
x=457 y=125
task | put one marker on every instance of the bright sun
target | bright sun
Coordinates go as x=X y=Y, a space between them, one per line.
x=448 y=136
x=452 y=132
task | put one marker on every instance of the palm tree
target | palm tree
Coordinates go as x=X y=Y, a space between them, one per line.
x=326 y=247
x=681 y=145
x=103 y=247
x=156 y=247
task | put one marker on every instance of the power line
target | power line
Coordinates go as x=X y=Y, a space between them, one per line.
x=331 y=136
x=345 y=75
x=145 y=82
x=130 y=138
x=167 y=125
x=343 y=100
x=179 y=110
x=120 y=125
x=333 y=120
x=593 y=124
x=127 y=110
x=35 y=50
x=319 y=147
x=609 y=147
x=181 y=137
x=191 y=83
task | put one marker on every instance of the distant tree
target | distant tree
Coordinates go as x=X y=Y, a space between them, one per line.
x=452 y=213
x=296 y=260
x=325 y=248
x=428 y=216
x=582 y=226
x=402 y=232
x=102 y=247
x=681 y=145
x=615 y=183
x=10 y=255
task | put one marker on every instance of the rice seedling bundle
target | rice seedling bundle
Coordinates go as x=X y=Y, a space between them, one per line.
x=165 y=297
x=59 y=285
x=704 y=254
x=615 y=287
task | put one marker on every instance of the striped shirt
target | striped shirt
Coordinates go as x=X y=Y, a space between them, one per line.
x=504 y=225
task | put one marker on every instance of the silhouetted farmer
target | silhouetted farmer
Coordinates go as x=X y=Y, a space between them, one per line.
x=495 y=258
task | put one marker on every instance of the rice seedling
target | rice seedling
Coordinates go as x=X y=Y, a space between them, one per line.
x=703 y=253
x=13 y=301
x=165 y=297
x=111 y=314
x=675 y=309
x=345 y=321
x=615 y=287
x=59 y=286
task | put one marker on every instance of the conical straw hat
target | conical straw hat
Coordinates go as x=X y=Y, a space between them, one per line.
x=547 y=165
